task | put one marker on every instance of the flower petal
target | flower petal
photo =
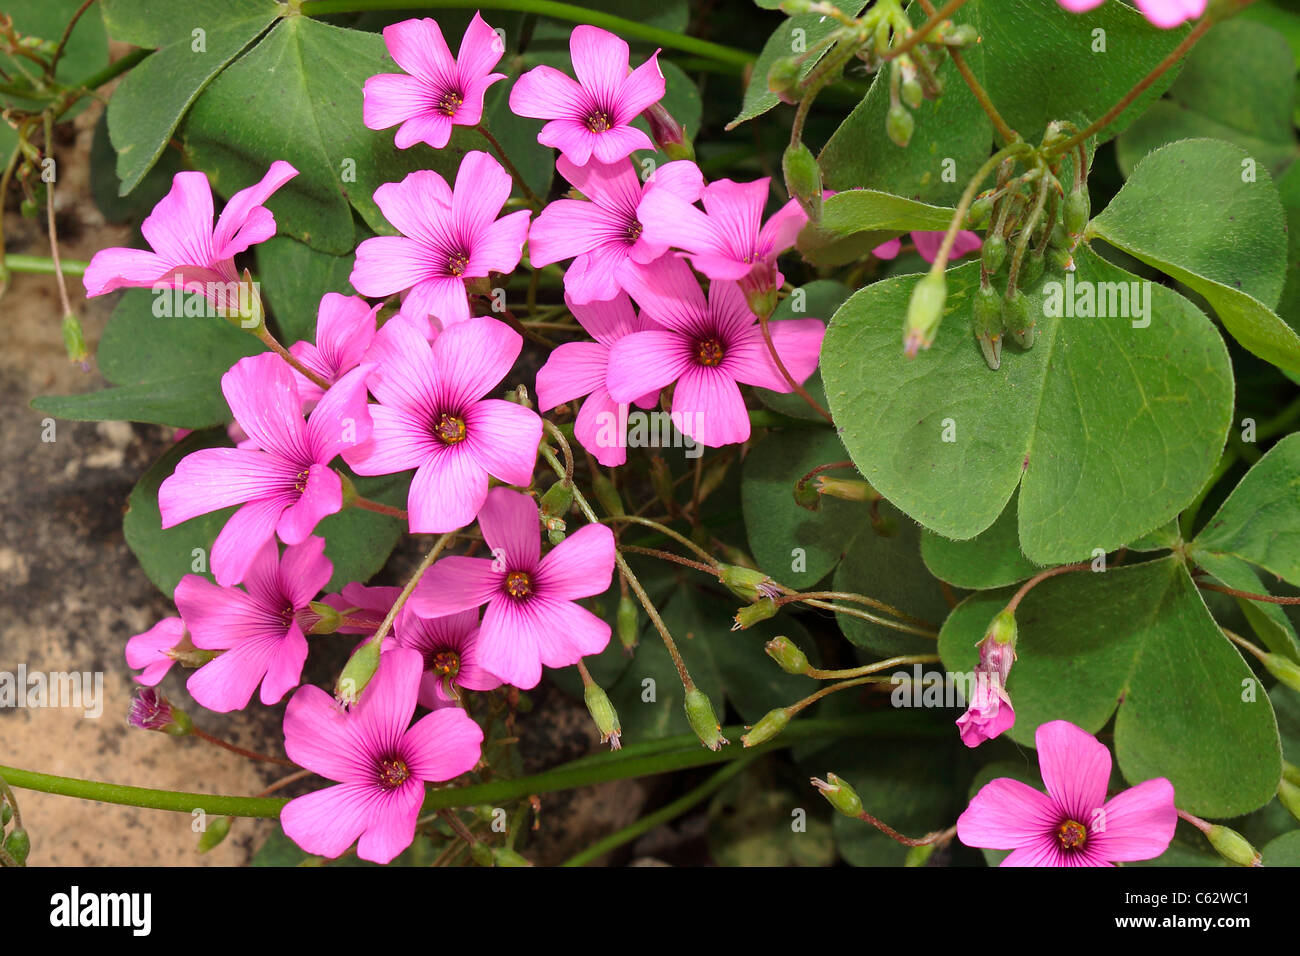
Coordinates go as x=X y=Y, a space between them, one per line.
x=1075 y=767
x=1007 y=814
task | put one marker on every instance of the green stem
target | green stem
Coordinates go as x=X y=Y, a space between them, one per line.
x=665 y=813
x=673 y=753
x=44 y=265
x=629 y=29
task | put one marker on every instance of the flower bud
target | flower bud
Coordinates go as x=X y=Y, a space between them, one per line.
x=979 y=213
x=1059 y=239
x=806 y=495
x=6 y=813
x=215 y=833
x=783 y=79
x=557 y=500
x=1060 y=260
x=667 y=133
x=768 y=726
x=1284 y=669
x=839 y=795
x=361 y=666
x=150 y=710
x=18 y=844
x=920 y=855
x=803 y=179
x=606 y=493
x=1031 y=270
x=752 y=614
x=962 y=35
x=924 y=312
x=74 y=340
x=1232 y=846
x=628 y=621
x=603 y=714
x=1076 y=211
x=993 y=253
x=247 y=313
x=850 y=489
x=1288 y=794
x=1018 y=319
x=699 y=711
x=899 y=125
x=787 y=654
x=329 y=618
x=987 y=324
x=747 y=583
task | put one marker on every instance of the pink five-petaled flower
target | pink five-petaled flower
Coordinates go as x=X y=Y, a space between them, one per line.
x=729 y=240
x=449 y=648
x=604 y=237
x=446 y=237
x=531 y=618
x=284 y=483
x=576 y=369
x=1073 y=824
x=440 y=92
x=928 y=243
x=591 y=118
x=148 y=650
x=380 y=760
x=345 y=326
x=990 y=712
x=1166 y=14
x=432 y=417
x=186 y=247
x=709 y=348
x=260 y=629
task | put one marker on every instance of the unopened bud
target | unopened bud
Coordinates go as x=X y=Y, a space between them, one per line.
x=839 y=795
x=606 y=493
x=911 y=92
x=18 y=844
x=330 y=620
x=787 y=655
x=1232 y=846
x=979 y=213
x=1018 y=320
x=768 y=726
x=361 y=666
x=1288 y=794
x=803 y=179
x=993 y=253
x=557 y=500
x=628 y=621
x=899 y=125
x=216 y=832
x=920 y=855
x=1284 y=669
x=150 y=710
x=1077 y=208
x=748 y=583
x=1031 y=270
x=755 y=613
x=74 y=340
x=667 y=133
x=783 y=79
x=699 y=712
x=850 y=489
x=603 y=714
x=963 y=34
x=987 y=324
x=924 y=312
x=807 y=496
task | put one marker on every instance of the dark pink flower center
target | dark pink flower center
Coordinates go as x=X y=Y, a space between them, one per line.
x=598 y=121
x=393 y=772
x=709 y=351
x=444 y=663
x=1072 y=834
x=519 y=584
x=449 y=429
x=450 y=102
x=457 y=263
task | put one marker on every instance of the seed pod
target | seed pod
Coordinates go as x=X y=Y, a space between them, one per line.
x=1031 y=270
x=899 y=125
x=1018 y=319
x=979 y=212
x=987 y=324
x=1059 y=239
x=803 y=179
x=1077 y=209
x=993 y=254
x=783 y=79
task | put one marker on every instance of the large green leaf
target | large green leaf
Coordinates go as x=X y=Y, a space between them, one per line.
x=856 y=221
x=147 y=106
x=1108 y=430
x=1288 y=188
x=1219 y=231
x=792 y=38
x=165 y=370
x=796 y=546
x=296 y=96
x=1141 y=639
x=1238 y=84
x=294 y=276
x=814 y=300
x=991 y=559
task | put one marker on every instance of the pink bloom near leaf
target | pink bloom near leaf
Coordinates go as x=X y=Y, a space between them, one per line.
x=149 y=650
x=928 y=243
x=345 y=326
x=368 y=606
x=1166 y=14
x=1073 y=824
x=604 y=236
x=591 y=118
x=729 y=239
x=531 y=618
x=709 y=348
x=440 y=92
x=257 y=628
x=380 y=760
x=449 y=648
x=446 y=237
x=187 y=248
x=432 y=417
x=285 y=483
x=989 y=712
x=576 y=369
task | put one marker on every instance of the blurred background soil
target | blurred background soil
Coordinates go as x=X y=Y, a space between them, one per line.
x=71 y=594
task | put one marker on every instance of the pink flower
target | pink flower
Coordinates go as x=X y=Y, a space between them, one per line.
x=345 y=326
x=381 y=762
x=186 y=247
x=531 y=618
x=729 y=240
x=576 y=369
x=440 y=92
x=149 y=650
x=261 y=629
x=432 y=417
x=449 y=648
x=990 y=712
x=368 y=606
x=709 y=348
x=150 y=710
x=928 y=243
x=284 y=483
x=592 y=117
x=1073 y=824
x=446 y=237
x=605 y=235
x=1166 y=14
